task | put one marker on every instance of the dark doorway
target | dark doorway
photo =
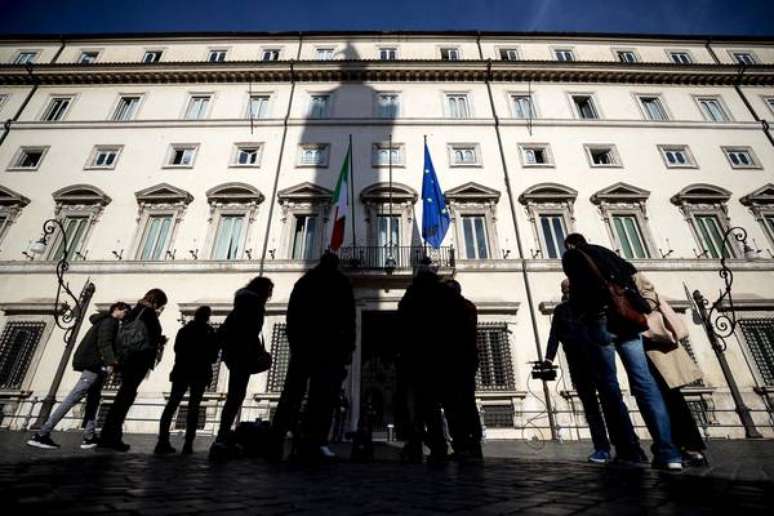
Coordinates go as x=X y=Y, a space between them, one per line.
x=378 y=376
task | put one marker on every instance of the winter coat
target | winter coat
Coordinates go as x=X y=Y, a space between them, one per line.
x=144 y=359
x=97 y=349
x=241 y=331
x=566 y=328
x=196 y=349
x=321 y=317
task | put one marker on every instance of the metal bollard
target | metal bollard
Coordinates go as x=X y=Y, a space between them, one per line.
x=390 y=432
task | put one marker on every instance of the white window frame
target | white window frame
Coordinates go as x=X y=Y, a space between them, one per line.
x=85 y=51
x=378 y=105
x=625 y=200
x=715 y=205
x=242 y=204
x=560 y=213
x=35 y=55
x=472 y=199
x=11 y=208
x=324 y=155
x=320 y=49
x=394 y=50
x=547 y=155
x=13 y=166
x=47 y=108
x=91 y=163
x=733 y=54
x=117 y=103
x=218 y=51
x=303 y=200
x=148 y=215
x=267 y=111
x=448 y=49
x=174 y=147
x=671 y=52
x=722 y=105
x=548 y=199
x=618 y=51
x=508 y=54
x=223 y=213
x=328 y=110
x=399 y=162
x=613 y=151
x=640 y=234
x=271 y=51
x=150 y=204
x=189 y=105
x=239 y=147
x=453 y=148
x=555 y=51
x=447 y=95
x=67 y=206
x=728 y=149
x=662 y=105
x=464 y=248
x=690 y=160
x=532 y=104
x=147 y=51
x=307 y=254
x=576 y=109
x=767 y=99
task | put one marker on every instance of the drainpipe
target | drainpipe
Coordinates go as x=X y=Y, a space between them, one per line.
x=742 y=68
x=279 y=164
x=527 y=288
x=35 y=83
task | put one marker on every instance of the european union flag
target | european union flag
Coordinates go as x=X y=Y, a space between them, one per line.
x=435 y=216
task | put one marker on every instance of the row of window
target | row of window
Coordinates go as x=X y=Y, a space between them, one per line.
x=391 y=53
x=383 y=154
x=388 y=105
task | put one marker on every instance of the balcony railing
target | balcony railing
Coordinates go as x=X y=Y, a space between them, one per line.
x=388 y=258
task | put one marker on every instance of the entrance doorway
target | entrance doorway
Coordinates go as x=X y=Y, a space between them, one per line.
x=378 y=376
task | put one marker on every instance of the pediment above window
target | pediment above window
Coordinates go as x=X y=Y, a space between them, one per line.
x=234 y=193
x=163 y=193
x=472 y=193
x=548 y=192
x=9 y=198
x=620 y=192
x=305 y=193
x=701 y=193
x=763 y=195
x=81 y=195
x=379 y=193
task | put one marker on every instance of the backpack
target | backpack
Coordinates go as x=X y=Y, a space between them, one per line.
x=132 y=338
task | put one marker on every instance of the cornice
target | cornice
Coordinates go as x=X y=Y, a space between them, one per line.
x=387 y=71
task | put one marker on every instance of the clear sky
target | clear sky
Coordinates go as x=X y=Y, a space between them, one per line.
x=727 y=17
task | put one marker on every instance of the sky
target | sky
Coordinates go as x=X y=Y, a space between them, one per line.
x=684 y=17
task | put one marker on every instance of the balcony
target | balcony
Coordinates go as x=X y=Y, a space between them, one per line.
x=386 y=259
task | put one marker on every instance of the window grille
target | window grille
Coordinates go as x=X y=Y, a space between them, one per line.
x=699 y=411
x=280 y=354
x=495 y=371
x=102 y=413
x=181 y=419
x=213 y=385
x=17 y=347
x=498 y=416
x=759 y=334
x=112 y=382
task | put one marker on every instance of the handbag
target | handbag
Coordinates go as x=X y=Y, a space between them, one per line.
x=259 y=360
x=625 y=313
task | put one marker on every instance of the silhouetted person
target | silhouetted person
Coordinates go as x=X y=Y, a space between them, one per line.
x=340 y=417
x=95 y=358
x=566 y=328
x=583 y=263
x=321 y=336
x=139 y=342
x=196 y=349
x=422 y=362
x=459 y=380
x=240 y=337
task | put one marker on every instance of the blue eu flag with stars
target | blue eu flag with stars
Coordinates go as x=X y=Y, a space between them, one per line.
x=435 y=216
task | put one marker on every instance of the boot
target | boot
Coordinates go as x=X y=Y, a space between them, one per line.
x=163 y=447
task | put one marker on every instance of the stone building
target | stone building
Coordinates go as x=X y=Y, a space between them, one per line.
x=192 y=162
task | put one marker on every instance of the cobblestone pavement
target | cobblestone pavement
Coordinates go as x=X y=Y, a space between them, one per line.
x=516 y=478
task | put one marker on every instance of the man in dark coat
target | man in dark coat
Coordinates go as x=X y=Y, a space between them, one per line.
x=566 y=328
x=196 y=349
x=95 y=358
x=134 y=365
x=589 y=267
x=321 y=336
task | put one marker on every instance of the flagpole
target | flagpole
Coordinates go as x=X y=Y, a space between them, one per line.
x=352 y=194
x=424 y=240
x=389 y=224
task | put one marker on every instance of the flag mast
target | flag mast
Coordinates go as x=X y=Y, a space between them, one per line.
x=352 y=194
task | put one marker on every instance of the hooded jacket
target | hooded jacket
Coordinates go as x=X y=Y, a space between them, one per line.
x=195 y=351
x=240 y=333
x=97 y=349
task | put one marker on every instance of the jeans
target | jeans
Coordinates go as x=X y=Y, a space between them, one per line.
x=585 y=386
x=88 y=384
x=175 y=397
x=685 y=432
x=642 y=384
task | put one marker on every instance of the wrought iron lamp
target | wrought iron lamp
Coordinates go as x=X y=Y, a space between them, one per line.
x=68 y=315
x=719 y=325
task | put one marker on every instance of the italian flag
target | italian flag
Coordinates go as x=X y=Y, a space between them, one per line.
x=341 y=203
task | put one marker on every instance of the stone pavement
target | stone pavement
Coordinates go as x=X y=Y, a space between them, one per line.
x=518 y=477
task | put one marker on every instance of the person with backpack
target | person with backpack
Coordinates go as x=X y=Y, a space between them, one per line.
x=95 y=359
x=196 y=349
x=243 y=353
x=607 y=302
x=139 y=341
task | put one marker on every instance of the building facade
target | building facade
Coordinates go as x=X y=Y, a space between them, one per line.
x=193 y=162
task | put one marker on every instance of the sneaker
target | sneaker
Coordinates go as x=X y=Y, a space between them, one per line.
x=327 y=452
x=694 y=459
x=42 y=441
x=671 y=465
x=89 y=442
x=113 y=445
x=164 y=448
x=599 y=457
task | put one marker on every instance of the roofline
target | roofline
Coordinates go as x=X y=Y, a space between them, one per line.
x=699 y=38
